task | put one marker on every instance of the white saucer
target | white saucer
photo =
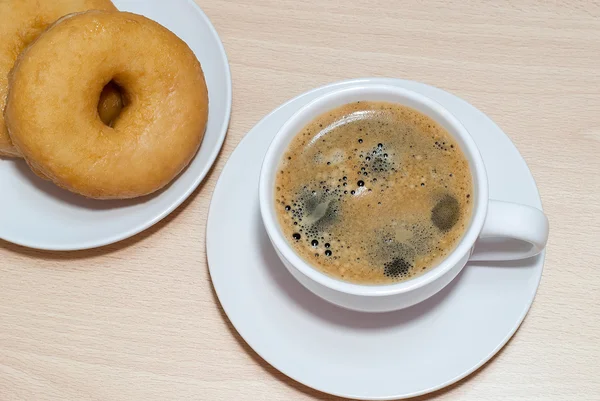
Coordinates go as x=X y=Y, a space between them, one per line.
x=37 y=214
x=352 y=354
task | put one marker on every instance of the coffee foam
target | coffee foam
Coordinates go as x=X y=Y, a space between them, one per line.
x=373 y=193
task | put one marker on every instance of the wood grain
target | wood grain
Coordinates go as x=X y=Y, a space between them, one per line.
x=139 y=320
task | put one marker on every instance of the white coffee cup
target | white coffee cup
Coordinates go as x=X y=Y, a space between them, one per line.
x=514 y=231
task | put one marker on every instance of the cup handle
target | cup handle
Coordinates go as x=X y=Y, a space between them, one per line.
x=511 y=231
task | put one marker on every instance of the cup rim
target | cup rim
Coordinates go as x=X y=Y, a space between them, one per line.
x=315 y=108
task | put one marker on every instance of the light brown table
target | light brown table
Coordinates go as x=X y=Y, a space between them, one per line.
x=139 y=320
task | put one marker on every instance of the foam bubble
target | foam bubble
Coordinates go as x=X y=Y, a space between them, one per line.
x=397 y=268
x=446 y=213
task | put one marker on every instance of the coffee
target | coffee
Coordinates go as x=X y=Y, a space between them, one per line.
x=373 y=193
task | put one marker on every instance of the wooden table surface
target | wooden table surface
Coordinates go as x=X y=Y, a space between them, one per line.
x=139 y=320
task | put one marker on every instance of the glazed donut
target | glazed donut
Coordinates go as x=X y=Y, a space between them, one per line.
x=109 y=107
x=52 y=114
x=21 y=22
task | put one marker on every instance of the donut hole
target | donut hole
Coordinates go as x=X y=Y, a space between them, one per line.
x=111 y=103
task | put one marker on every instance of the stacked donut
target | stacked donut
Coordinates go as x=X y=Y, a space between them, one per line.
x=106 y=104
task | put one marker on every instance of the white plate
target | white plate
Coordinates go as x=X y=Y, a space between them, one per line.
x=352 y=354
x=37 y=214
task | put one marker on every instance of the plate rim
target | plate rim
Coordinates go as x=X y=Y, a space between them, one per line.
x=185 y=194
x=430 y=390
